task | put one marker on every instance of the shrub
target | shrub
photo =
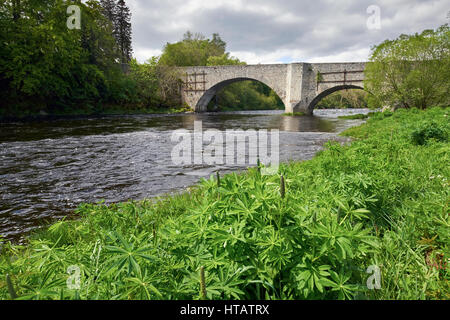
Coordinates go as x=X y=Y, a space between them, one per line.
x=429 y=131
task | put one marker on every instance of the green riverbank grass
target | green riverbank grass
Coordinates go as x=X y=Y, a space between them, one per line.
x=294 y=114
x=381 y=201
x=355 y=116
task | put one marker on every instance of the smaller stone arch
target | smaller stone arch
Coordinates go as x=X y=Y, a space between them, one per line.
x=213 y=90
x=327 y=92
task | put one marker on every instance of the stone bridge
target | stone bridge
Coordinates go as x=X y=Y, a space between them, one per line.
x=299 y=85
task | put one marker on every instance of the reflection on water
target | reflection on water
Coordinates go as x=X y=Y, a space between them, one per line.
x=47 y=168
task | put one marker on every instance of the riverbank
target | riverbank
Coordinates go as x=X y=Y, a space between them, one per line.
x=112 y=111
x=379 y=202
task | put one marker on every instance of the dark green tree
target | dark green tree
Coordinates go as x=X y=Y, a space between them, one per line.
x=46 y=66
x=123 y=31
x=109 y=9
x=218 y=44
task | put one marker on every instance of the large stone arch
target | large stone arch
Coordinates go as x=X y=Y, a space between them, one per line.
x=329 y=91
x=202 y=83
x=213 y=90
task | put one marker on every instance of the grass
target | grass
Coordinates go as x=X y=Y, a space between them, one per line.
x=294 y=114
x=310 y=232
x=364 y=116
x=355 y=116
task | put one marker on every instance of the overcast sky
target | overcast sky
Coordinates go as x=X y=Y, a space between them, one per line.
x=283 y=31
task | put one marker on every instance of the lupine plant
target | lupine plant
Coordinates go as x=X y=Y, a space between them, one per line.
x=309 y=232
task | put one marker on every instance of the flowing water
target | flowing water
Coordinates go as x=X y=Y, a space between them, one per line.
x=48 y=168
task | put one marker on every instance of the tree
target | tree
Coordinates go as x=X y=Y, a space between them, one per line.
x=349 y=98
x=158 y=85
x=97 y=37
x=109 y=9
x=123 y=31
x=218 y=44
x=45 y=66
x=411 y=71
x=193 y=50
x=223 y=60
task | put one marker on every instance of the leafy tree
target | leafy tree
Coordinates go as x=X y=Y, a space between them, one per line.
x=193 y=50
x=411 y=71
x=109 y=9
x=97 y=38
x=45 y=66
x=157 y=85
x=218 y=44
x=123 y=31
x=246 y=95
x=223 y=60
x=352 y=98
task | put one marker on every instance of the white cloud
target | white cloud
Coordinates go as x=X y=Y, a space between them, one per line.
x=274 y=31
x=346 y=56
x=143 y=54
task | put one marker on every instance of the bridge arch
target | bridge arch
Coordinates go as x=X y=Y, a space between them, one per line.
x=209 y=94
x=312 y=105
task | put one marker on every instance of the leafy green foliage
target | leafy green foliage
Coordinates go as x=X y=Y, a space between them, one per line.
x=246 y=95
x=380 y=201
x=123 y=30
x=344 y=99
x=355 y=116
x=193 y=50
x=430 y=130
x=46 y=66
x=223 y=60
x=410 y=71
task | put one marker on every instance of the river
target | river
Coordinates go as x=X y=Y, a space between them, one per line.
x=49 y=167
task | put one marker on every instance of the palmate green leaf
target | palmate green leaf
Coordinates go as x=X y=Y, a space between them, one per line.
x=345 y=246
x=125 y=256
x=345 y=290
x=228 y=282
x=326 y=282
x=142 y=284
x=312 y=278
x=44 y=253
x=360 y=213
x=45 y=288
x=231 y=289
